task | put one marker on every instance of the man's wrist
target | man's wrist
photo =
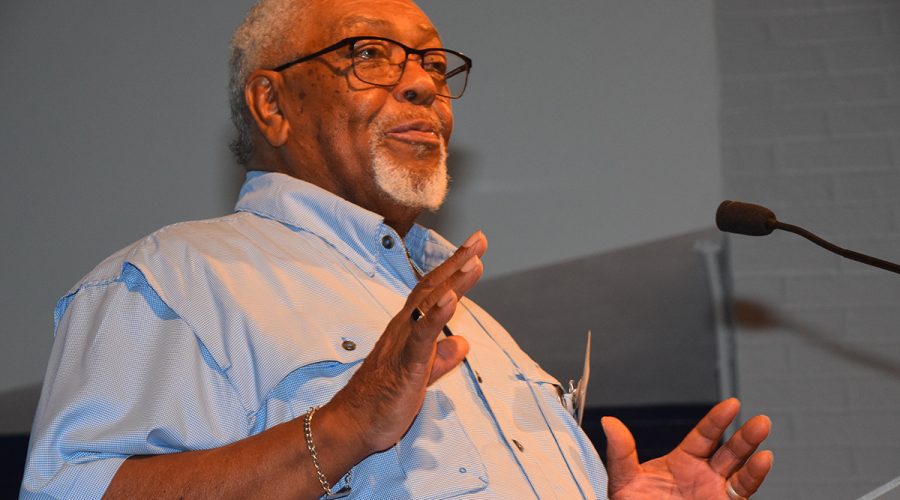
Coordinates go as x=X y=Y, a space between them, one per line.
x=338 y=446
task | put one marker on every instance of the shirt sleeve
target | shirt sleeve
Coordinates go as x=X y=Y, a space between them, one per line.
x=126 y=376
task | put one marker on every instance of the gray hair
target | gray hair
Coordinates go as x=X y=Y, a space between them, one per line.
x=257 y=43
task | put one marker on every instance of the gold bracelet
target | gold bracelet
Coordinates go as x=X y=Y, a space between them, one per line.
x=307 y=431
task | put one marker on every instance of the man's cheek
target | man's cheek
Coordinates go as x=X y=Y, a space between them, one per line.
x=446 y=118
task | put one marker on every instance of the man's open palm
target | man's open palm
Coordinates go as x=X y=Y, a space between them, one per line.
x=698 y=468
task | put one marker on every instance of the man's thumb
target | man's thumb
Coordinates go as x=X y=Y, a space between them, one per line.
x=451 y=351
x=621 y=453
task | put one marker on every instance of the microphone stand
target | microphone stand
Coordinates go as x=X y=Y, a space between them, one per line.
x=843 y=252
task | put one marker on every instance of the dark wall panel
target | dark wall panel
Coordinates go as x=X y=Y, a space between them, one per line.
x=649 y=308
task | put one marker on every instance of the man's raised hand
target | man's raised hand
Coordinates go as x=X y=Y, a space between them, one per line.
x=698 y=468
x=383 y=397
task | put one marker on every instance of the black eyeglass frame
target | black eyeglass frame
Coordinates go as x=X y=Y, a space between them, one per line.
x=408 y=50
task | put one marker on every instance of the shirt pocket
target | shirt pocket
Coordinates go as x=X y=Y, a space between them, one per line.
x=550 y=391
x=576 y=448
x=435 y=459
x=312 y=377
x=437 y=455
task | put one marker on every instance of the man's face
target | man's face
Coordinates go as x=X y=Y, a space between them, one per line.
x=381 y=147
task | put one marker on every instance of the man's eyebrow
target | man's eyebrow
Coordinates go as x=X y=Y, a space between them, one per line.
x=352 y=22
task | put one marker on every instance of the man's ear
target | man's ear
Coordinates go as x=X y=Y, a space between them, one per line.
x=262 y=98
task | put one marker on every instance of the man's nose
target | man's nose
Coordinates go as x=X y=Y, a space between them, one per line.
x=416 y=85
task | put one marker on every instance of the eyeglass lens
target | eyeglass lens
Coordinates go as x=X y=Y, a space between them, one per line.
x=381 y=62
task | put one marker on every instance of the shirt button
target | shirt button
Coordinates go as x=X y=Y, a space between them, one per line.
x=518 y=445
x=387 y=241
x=462 y=470
x=348 y=345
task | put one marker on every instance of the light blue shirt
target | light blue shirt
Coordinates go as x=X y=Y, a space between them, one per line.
x=207 y=332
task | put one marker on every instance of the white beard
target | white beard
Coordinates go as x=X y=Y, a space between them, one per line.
x=406 y=187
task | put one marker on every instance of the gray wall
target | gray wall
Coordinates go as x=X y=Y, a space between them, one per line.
x=811 y=116
x=115 y=124
x=588 y=126
x=591 y=125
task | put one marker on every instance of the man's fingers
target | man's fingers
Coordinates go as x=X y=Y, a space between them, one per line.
x=432 y=303
x=419 y=346
x=741 y=446
x=450 y=353
x=460 y=282
x=706 y=435
x=475 y=246
x=748 y=478
x=621 y=453
x=459 y=273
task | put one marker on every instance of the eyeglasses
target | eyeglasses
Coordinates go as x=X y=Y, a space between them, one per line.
x=380 y=61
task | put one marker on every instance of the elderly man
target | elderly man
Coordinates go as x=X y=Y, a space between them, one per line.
x=317 y=341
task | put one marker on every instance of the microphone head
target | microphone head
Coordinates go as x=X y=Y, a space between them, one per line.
x=745 y=218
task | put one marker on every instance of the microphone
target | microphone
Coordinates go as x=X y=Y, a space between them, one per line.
x=755 y=220
x=745 y=218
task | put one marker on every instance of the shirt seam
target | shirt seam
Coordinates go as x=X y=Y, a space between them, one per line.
x=249 y=413
x=369 y=266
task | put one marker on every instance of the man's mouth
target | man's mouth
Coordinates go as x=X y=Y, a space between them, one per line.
x=415 y=132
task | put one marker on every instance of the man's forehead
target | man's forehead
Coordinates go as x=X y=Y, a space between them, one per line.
x=357 y=21
x=330 y=20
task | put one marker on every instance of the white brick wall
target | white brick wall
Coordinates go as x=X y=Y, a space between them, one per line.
x=811 y=128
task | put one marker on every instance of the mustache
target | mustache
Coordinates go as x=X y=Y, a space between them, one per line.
x=388 y=122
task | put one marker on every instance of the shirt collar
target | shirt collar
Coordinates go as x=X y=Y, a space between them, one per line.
x=352 y=230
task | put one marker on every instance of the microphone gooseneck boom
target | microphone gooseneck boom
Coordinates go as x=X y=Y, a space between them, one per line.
x=755 y=220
